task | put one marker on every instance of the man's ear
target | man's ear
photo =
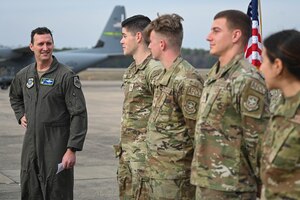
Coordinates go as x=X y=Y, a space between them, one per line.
x=139 y=37
x=236 y=35
x=31 y=46
x=163 y=44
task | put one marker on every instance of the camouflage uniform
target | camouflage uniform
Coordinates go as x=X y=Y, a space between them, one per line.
x=171 y=132
x=280 y=170
x=232 y=117
x=138 y=83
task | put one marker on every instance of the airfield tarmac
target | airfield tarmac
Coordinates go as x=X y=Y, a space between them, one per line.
x=95 y=171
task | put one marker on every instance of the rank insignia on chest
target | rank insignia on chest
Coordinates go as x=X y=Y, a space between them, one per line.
x=47 y=81
x=252 y=103
x=30 y=83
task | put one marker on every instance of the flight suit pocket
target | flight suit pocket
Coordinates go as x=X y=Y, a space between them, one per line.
x=52 y=91
x=55 y=139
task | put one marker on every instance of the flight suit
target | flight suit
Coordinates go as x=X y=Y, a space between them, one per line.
x=280 y=171
x=56 y=114
x=170 y=134
x=233 y=115
x=138 y=85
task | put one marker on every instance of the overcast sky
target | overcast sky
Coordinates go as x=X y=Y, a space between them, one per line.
x=79 y=23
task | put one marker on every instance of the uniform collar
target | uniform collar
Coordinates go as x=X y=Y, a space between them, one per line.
x=168 y=73
x=144 y=63
x=133 y=68
x=289 y=106
x=54 y=66
x=218 y=72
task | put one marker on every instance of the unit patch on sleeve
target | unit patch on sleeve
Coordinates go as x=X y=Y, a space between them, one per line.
x=252 y=103
x=190 y=107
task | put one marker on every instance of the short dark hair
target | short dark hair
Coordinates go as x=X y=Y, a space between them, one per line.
x=40 y=31
x=237 y=20
x=136 y=23
x=285 y=46
x=168 y=25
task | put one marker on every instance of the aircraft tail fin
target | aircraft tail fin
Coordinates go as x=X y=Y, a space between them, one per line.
x=109 y=41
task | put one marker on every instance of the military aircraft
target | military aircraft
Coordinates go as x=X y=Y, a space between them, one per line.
x=107 y=47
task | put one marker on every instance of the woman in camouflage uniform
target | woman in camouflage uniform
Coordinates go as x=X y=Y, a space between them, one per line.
x=280 y=170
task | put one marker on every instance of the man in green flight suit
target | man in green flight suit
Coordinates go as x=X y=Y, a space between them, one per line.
x=48 y=102
x=232 y=117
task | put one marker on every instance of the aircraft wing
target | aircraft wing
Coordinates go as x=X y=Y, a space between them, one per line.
x=9 y=54
x=23 y=50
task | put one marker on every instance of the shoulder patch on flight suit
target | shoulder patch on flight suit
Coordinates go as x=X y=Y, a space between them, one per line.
x=77 y=82
x=30 y=83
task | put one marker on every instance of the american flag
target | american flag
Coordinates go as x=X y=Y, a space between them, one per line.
x=254 y=47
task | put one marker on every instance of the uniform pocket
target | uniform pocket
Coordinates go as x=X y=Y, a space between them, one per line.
x=285 y=149
x=158 y=104
x=56 y=137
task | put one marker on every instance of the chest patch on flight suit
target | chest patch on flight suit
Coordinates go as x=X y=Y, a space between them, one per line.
x=47 y=81
x=30 y=83
x=252 y=103
x=77 y=82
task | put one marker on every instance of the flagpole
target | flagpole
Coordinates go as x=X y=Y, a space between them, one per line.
x=260 y=17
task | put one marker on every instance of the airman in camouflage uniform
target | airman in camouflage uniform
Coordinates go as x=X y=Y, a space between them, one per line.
x=138 y=85
x=172 y=121
x=281 y=152
x=232 y=117
x=280 y=166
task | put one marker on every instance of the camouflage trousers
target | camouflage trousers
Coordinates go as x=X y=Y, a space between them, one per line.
x=170 y=189
x=208 y=194
x=269 y=195
x=131 y=180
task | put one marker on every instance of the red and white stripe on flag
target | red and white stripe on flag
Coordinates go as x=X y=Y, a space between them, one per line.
x=254 y=47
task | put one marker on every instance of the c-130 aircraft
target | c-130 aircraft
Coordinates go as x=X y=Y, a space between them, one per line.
x=108 y=46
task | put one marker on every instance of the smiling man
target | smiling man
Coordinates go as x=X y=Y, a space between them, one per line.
x=48 y=102
x=232 y=116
